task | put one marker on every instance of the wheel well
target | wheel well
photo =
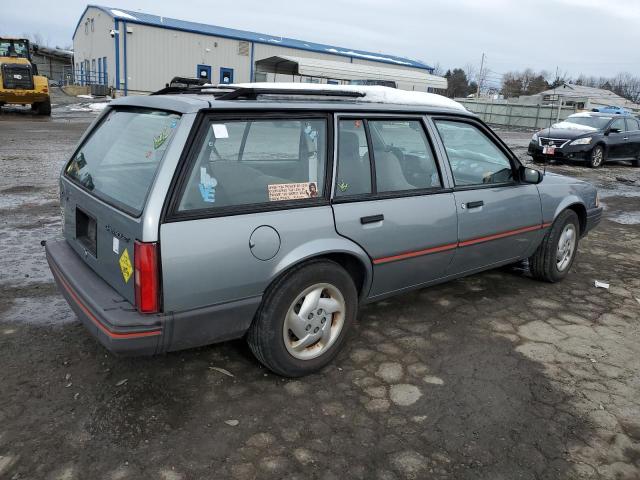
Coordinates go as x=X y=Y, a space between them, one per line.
x=352 y=265
x=581 y=211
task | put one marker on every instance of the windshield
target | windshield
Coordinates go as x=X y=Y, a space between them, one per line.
x=14 y=48
x=119 y=160
x=593 y=122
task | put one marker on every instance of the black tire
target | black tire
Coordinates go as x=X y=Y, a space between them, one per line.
x=597 y=157
x=42 y=108
x=265 y=336
x=636 y=162
x=543 y=263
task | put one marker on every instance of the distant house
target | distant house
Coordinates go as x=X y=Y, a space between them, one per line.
x=580 y=98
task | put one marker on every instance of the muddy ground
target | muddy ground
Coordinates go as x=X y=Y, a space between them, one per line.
x=495 y=376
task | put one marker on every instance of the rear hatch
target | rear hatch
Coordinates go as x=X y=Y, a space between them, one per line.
x=104 y=189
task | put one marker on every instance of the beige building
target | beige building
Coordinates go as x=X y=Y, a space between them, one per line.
x=138 y=52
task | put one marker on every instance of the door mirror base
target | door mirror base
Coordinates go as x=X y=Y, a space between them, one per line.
x=530 y=175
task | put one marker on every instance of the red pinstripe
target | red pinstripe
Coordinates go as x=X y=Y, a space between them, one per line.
x=451 y=246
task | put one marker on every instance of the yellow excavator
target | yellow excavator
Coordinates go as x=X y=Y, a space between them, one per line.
x=19 y=80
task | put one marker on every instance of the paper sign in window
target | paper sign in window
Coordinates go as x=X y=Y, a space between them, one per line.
x=292 y=191
x=220 y=130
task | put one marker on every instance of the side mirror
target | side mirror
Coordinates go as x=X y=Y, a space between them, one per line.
x=611 y=130
x=530 y=175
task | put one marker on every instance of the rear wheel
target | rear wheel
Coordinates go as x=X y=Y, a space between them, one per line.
x=42 y=108
x=304 y=319
x=552 y=260
x=596 y=157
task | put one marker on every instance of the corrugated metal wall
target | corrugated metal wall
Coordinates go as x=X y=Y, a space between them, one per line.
x=97 y=43
x=155 y=55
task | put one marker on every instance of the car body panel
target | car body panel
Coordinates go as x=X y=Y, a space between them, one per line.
x=502 y=228
x=414 y=242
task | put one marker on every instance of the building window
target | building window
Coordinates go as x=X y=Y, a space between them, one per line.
x=86 y=27
x=260 y=77
x=92 y=24
x=243 y=48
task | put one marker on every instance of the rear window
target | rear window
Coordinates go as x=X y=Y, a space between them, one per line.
x=119 y=160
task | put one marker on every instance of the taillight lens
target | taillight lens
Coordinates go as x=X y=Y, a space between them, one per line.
x=147 y=277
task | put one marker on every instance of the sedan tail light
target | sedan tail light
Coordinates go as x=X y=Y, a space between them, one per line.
x=147 y=276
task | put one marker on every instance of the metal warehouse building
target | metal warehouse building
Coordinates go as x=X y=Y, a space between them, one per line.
x=139 y=52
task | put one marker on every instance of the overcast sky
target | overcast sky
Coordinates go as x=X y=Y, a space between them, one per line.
x=595 y=37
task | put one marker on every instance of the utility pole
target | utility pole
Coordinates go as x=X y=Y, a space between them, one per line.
x=480 y=77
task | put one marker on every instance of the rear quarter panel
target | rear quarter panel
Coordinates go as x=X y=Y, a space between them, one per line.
x=208 y=261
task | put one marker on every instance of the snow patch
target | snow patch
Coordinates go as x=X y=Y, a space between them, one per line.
x=121 y=14
x=98 y=107
x=351 y=53
x=573 y=126
x=372 y=94
x=84 y=96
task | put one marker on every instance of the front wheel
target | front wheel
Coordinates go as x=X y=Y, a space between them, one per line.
x=596 y=157
x=552 y=260
x=304 y=319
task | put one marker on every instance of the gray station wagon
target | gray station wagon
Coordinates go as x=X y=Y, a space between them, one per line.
x=204 y=214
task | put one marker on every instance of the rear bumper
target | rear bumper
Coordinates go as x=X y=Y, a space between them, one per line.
x=123 y=330
x=594 y=216
x=22 y=97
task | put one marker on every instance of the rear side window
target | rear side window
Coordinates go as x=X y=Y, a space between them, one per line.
x=632 y=124
x=257 y=162
x=474 y=158
x=403 y=156
x=119 y=160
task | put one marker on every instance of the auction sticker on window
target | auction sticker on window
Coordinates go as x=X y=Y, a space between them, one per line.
x=292 y=191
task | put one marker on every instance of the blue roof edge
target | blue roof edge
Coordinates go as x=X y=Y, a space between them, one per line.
x=399 y=61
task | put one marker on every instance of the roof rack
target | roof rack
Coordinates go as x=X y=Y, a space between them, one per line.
x=224 y=92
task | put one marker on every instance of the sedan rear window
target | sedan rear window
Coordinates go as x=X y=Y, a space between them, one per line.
x=119 y=160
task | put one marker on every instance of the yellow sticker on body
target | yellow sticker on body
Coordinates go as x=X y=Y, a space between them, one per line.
x=125 y=266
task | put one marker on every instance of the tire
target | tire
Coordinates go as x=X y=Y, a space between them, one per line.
x=636 y=162
x=597 y=157
x=275 y=347
x=544 y=263
x=42 y=108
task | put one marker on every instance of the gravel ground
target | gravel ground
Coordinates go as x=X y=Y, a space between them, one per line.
x=495 y=376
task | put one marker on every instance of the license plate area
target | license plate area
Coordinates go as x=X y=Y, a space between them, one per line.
x=86 y=231
x=548 y=150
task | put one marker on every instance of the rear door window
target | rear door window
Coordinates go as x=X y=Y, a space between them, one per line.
x=474 y=158
x=403 y=157
x=119 y=160
x=249 y=162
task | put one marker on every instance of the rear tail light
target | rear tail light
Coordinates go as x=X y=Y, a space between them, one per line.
x=147 y=277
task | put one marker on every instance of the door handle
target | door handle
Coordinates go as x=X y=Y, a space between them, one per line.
x=371 y=219
x=625 y=138
x=477 y=204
